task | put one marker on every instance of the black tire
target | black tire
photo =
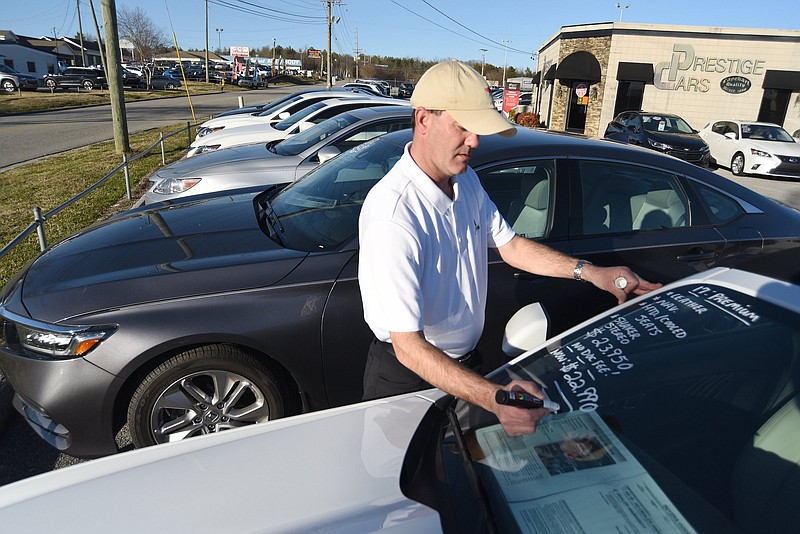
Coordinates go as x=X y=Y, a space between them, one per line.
x=737 y=164
x=87 y=84
x=8 y=86
x=51 y=83
x=170 y=86
x=185 y=396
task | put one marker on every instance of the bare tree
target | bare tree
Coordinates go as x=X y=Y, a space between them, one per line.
x=147 y=39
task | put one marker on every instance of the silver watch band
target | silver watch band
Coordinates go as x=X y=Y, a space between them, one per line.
x=577 y=272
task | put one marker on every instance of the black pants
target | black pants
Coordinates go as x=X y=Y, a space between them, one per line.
x=385 y=376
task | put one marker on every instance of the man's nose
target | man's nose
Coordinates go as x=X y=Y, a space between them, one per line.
x=472 y=141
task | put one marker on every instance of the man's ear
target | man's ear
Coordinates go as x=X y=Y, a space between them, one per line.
x=422 y=119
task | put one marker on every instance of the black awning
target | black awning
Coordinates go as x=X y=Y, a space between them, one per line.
x=550 y=75
x=635 y=72
x=581 y=66
x=537 y=78
x=782 y=79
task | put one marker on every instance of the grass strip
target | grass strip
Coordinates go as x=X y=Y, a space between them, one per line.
x=49 y=182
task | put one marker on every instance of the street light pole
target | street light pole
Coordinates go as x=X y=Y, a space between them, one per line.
x=622 y=9
x=483 y=61
x=505 y=61
x=219 y=40
x=206 y=41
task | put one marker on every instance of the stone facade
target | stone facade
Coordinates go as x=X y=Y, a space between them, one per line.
x=600 y=48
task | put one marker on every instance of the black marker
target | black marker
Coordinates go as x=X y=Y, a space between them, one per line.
x=520 y=399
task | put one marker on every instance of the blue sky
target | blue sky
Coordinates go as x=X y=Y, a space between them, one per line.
x=426 y=29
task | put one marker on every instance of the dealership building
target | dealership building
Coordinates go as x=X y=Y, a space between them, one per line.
x=589 y=73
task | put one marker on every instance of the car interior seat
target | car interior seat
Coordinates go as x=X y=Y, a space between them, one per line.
x=656 y=209
x=528 y=215
x=766 y=478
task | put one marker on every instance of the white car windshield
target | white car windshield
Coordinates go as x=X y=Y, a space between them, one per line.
x=765 y=132
x=287 y=123
x=298 y=143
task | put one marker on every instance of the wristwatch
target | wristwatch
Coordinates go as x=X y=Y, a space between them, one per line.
x=578 y=270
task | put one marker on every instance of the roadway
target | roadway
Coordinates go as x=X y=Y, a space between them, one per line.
x=31 y=136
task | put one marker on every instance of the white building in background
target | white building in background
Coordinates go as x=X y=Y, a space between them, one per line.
x=589 y=73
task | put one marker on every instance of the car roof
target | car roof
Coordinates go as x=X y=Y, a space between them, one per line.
x=742 y=121
x=527 y=143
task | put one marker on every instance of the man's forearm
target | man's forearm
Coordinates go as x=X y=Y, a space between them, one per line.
x=441 y=371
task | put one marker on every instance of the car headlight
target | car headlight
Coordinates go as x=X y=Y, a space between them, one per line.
x=202 y=149
x=659 y=146
x=172 y=186
x=56 y=341
x=760 y=153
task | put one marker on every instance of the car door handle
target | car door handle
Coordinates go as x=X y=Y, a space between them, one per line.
x=697 y=256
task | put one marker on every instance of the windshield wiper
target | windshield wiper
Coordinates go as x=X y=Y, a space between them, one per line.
x=472 y=474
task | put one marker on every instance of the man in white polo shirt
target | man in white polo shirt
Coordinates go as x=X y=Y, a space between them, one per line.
x=425 y=230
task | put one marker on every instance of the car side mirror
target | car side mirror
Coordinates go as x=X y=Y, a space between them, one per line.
x=526 y=330
x=326 y=153
x=731 y=135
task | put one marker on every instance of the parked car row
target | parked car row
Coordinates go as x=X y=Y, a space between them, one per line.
x=677 y=412
x=278 y=161
x=215 y=311
x=744 y=147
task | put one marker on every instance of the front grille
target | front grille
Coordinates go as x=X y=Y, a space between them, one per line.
x=789 y=166
x=691 y=157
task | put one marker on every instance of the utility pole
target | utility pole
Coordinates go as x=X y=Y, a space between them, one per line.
x=330 y=22
x=272 y=72
x=206 y=41
x=80 y=34
x=99 y=40
x=357 y=56
x=483 y=61
x=114 y=77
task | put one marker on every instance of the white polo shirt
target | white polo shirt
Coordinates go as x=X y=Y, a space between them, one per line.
x=423 y=261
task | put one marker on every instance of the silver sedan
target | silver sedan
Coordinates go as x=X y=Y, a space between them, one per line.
x=275 y=162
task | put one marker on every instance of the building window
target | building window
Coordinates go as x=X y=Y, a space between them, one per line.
x=9 y=62
x=629 y=97
x=774 y=104
x=31 y=66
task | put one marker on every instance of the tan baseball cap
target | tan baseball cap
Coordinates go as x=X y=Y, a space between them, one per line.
x=457 y=88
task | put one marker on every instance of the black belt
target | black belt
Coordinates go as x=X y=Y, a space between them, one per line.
x=465 y=359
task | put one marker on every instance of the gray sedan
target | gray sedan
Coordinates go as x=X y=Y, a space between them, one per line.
x=275 y=162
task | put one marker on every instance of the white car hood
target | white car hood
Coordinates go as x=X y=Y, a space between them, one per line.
x=243 y=135
x=234 y=121
x=336 y=470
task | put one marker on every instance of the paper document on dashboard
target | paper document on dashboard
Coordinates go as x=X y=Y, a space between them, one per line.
x=574 y=472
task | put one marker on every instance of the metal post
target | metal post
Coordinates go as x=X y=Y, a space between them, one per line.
x=189 y=133
x=127 y=176
x=39 y=220
x=241 y=101
x=161 y=142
